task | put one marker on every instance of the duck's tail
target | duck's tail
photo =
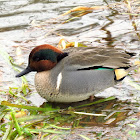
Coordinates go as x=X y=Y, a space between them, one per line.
x=121 y=73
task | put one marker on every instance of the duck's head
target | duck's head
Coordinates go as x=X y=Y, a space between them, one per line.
x=43 y=58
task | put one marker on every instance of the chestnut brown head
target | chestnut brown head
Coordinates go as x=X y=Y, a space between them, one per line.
x=43 y=58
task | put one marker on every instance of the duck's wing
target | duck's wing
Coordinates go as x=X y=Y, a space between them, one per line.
x=90 y=57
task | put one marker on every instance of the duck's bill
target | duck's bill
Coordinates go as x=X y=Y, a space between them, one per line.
x=25 y=71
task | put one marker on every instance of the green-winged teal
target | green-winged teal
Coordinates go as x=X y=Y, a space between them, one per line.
x=75 y=74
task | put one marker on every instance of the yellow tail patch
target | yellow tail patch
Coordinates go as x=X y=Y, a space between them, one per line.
x=120 y=73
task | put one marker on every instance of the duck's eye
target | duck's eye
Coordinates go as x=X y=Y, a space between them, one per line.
x=36 y=58
x=45 y=54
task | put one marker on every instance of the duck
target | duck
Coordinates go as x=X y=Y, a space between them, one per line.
x=76 y=74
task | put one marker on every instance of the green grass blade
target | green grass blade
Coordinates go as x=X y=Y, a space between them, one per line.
x=47 y=131
x=86 y=138
x=97 y=102
x=27 y=107
x=16 y=124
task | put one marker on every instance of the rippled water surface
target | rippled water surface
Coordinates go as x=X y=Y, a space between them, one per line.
x=25 y=24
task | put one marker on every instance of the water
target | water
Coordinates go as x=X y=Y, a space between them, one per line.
x=25 y=24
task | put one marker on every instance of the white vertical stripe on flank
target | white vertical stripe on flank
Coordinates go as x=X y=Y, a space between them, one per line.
x=59 y=80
